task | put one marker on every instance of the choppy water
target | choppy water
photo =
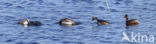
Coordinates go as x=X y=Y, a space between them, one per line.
x=48 y=12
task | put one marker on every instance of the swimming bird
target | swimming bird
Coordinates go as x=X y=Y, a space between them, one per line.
x=29 y=23
x=66 y=21
x=131 y=22
x=99 y=21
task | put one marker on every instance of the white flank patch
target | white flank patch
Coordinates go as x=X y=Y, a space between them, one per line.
x=68 y=23
x=25 y=23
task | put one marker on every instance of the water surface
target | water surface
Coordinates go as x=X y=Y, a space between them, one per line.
x=48 y=12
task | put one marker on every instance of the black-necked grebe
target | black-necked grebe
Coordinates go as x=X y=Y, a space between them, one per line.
x=101 y=22
x=66 y=21
x=131 y=22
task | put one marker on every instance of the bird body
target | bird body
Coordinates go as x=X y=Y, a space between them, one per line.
x=30 y=23
x=66 y=21
x=99 y=21
x=131 y=22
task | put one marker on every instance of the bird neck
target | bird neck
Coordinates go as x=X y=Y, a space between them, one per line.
x=126 y=19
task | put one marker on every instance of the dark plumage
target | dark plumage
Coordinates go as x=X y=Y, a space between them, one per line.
x=34 y=23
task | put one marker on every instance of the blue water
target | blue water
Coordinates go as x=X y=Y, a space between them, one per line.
x=48 y=12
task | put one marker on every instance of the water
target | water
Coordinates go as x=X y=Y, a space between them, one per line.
x=48 y=12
